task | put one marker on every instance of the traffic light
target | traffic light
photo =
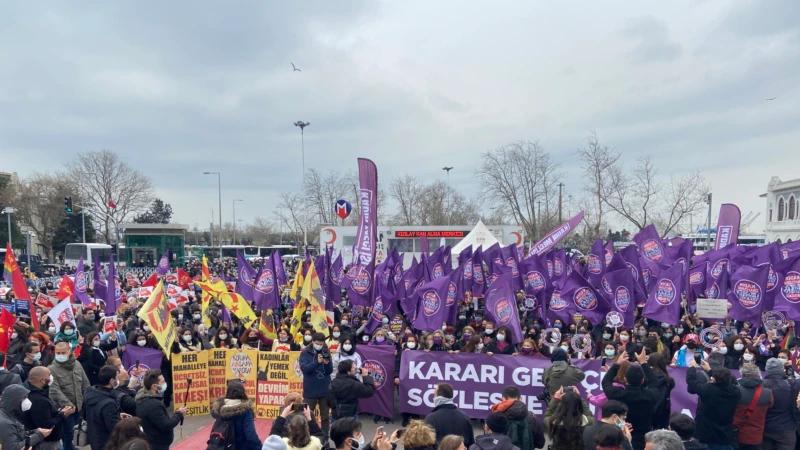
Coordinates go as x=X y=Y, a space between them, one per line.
x=68 y=205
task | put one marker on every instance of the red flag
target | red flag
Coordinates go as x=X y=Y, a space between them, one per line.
x=111 y=204
x=66 y=288
x=18 y=283
x=183 y=278
x=44 y=301
x=152 y=281
x=6 y=328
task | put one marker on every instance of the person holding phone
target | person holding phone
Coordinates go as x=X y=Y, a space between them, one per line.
x=315 y=362
x=13 y=435
x=43 y=412
x=346 y=390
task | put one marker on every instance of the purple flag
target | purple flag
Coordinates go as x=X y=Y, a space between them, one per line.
x=587 y=301
x=651 y=247
x=280 y=272
x=478 y=274
x=787 y=298
x=697 y=283
x=359 y=280
x=554 y=237
x=748 y=287
x=789 y=247
x=379 y=362
x=412 y=281
x=163 y=263
x=501 y=307
x=537 y=284
x=595 y=263
x=424 y=246
x=664 y=303
x=455 y=294
x=147 y=358
x=631 y=257
x=333 y=284
x=431 y=305
x=559 y=264
x=245 y=279
x=623 y=294
x=81 y=284
x=385 y=305
x=99 y=286
x=266 y=293
x=113 y=297
x=727 y=226
x=435 y=264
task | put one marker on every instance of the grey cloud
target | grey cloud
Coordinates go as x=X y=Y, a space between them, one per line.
x=653 y=41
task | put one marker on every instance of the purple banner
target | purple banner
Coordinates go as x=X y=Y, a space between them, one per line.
x=501 y=307
x=555 y=236
x=163 y=263
x=245 y=279
x=664 y=302
x=727 y=226
x=478 y=381
x=379 y=362
x=99 y=283
x=81 y=284
x=359 y=281
x=147 y=358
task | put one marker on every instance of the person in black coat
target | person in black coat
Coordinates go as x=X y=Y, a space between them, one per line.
x=640 y=395
x=346 y=389
x=100 y=408
x=719 y=398
x=126 y=392
x=157 y=424
x=43 y=412
x=7 y=378
x=94 y=354
x=446 y=418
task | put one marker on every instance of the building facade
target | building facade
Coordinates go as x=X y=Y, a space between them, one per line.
x=783 y=210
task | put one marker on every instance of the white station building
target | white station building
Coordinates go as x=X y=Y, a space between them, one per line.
x=783 y=210
x=407 y=238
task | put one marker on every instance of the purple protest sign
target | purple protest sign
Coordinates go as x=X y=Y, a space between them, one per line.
x=245 y=279
x=147 y=358
x=727 y=225
x=664 y=303
x=379 y=362
x=81 y=284
x=163 y=263
x=501 y=307
x=554 y=237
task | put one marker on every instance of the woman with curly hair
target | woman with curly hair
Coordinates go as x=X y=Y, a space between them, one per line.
x=419 y=436
x=125 y=431
x=567 y=415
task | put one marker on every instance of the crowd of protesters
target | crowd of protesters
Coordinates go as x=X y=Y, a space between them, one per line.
x=55 y=378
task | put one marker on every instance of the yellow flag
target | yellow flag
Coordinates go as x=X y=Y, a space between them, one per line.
x=267 y=324
x=155 y=313
x=312 y=291
x=297 y=316
x=298 y=283
x=236 y=304
x=205 y=297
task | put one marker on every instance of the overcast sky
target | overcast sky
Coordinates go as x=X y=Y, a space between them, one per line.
x=178 y=88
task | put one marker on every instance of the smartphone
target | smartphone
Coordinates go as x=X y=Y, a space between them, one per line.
x=299 y=407
x=568 y=389
x=400 y=432
x=603 y=362
x=27 y=442
x=697 y=358
x=137 y=364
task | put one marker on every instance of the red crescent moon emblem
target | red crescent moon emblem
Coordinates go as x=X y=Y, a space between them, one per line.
x=333 y=236
x=519 y=237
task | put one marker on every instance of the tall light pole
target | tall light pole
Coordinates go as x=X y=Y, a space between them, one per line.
x=219 y=191
x=8 y=211
x=302 y=126
x=560 y=185
x=83 y=210
x=448 y=169
x=708 y=228
x=234 y=218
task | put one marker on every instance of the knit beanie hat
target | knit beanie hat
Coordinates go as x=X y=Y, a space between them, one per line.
x=558 y=355
x=274 y=443
x=775 y=366
x=497 y=422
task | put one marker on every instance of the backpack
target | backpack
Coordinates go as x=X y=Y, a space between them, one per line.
x=222 y=436
x=523 y=437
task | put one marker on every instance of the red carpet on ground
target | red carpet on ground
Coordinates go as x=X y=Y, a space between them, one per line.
x=198 y=439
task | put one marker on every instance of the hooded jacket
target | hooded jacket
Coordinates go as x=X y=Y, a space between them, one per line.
x=241 y=413
x=781 y=417
x=494 y=441
x=43 y=412
x=751 y=430
x=316 y=375
x=12 y=430
x=102 y=414
x=69 y=382
x=346 y=390
x=157 y=424
x=561 y=374
x=714 y=417
x=7 y=379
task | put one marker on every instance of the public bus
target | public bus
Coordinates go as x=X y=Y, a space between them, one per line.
x=250 y=252
x=282 y=249
x=229 y=251
x=74 y=252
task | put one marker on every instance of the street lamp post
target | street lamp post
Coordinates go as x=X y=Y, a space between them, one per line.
x=448 y=169
x=708 y=228
x=219 y=192
x=8 y=211
x=302 y=126
x=234 y=218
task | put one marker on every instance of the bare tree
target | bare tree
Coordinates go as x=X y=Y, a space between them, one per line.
x=39 y=200
x=323 y=190
x=261 y=229
x=407 y=192
x=521 y=178
x=597 y=161
x=101 y=178
x=291 y=214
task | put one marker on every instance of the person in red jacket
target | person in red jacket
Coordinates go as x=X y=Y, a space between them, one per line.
x=750 y=421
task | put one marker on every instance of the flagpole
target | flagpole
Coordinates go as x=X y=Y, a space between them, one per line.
x=219 y=193
x=302 y=126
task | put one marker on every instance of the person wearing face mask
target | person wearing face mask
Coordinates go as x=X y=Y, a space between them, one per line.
x=69 y=383
x=31 y=360
x=344 y=325
x=14 y=403
x=477 y=322
x=561 y=373
x=736 y=348
x=686 y=354
x=437 y=342
x=253 y=339
x=466 y=335
x=86 y=322
x=45 y=346
x=284 y=343
x=68 y=333
x=379 y=338
x=779 y=429
x=347 y=352
x=186 y=342
x=529 y=348
x=614 y=415
x=315 y=362
x=346 y=390
x=333 y=340
x=101 y=408
x=43 y=412
x=501 y=345
x=158 y=425
x=223 y=339
x=126 y=391
x=93 y=355
x=19 y=337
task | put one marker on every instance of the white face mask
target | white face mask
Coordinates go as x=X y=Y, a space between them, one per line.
x=14 y=335
x=412 y=345
x=223 y=337
x=96 y=344
x=783 y=360
x=62 y=358
x=307 y=338
x=385 y=320
x=444 y=327
x=489 y=331
x=501 y=337
x=187 y=337
x=624 y=337
x=606 y=336
x=747 y=357
x=51 y=329
x=565 y=348
x=146 y=328
x=738 y=347
x=365 y=339
x=336 y=334
x=480 y=345
x=51 y=379
x=317 y=347
x=345 y=322
x=347 y=347
x=69 y=331
x=141 y=343
x=723 y=350
x=609 y=352
x=162 y=388
x=26 y=405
